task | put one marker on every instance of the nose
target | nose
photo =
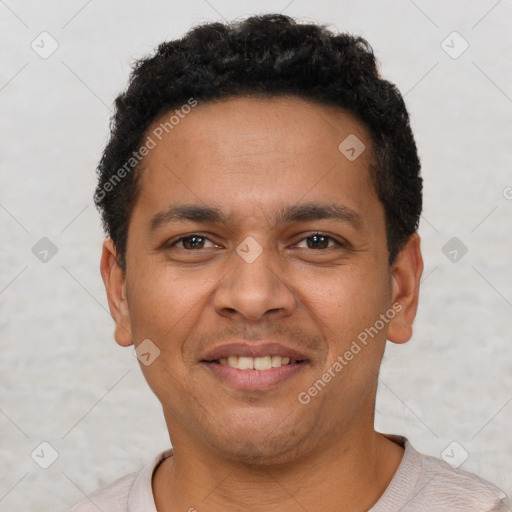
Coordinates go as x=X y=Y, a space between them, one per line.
x=255 y=289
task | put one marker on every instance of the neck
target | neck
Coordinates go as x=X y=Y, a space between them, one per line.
x=350 y=474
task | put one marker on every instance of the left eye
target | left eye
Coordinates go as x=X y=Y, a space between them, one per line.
x=192 y=242
x=319 y=241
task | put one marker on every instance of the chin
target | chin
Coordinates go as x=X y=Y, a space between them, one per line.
x=261 y=443
x=252 y=453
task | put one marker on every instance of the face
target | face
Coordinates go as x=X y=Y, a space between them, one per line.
x=255 y=241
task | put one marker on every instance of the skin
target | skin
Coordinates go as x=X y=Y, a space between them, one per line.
x=237 y=450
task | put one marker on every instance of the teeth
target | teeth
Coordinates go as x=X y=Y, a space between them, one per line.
x=276 y=361
x=255 y=363
x=246 y=363
x=262 y=363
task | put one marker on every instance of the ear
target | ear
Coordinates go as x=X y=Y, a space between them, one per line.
x=405 y=282
x=115 y=285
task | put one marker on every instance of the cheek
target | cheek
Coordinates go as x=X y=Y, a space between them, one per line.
x=164 y=308
x=166 y=304
x=344 y=302
x=343 y=305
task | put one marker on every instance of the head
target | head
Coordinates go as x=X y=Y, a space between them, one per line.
x=261 y=187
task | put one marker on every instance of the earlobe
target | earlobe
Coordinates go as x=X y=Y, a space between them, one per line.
x=115 y=286
x=405 y=283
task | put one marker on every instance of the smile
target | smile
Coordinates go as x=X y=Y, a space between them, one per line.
x=256 y=363
x=253 y=366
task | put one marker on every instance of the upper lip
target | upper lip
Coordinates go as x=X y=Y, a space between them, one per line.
x=251 y=349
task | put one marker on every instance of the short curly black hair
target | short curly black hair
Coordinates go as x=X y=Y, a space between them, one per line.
x=267 y=55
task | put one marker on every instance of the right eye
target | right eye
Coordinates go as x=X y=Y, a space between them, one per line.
x=190 y=242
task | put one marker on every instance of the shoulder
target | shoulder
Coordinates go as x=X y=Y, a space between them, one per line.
x=453 y=489
x=127 y=492
x=423 y=483
x=113 y=497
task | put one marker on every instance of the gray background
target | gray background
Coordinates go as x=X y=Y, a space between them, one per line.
x=63 y=380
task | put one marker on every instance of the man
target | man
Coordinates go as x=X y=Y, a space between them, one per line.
x=261 y=195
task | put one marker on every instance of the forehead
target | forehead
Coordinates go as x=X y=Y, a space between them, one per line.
x=284 y=123
x=245 y=151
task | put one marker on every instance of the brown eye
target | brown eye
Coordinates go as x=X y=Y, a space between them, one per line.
x=191 y=242
x=319 y=241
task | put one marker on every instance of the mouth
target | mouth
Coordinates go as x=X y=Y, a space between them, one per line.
x=249 y=367
x=262 y=363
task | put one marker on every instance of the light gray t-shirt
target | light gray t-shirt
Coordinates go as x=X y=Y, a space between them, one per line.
x=421 y=484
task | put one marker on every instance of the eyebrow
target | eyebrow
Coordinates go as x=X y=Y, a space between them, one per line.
x=295 y=213
x=184 y=212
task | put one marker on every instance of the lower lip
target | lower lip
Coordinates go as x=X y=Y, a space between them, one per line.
x=248 y=380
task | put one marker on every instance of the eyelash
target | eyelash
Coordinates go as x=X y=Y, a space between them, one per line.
x=173 y=244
